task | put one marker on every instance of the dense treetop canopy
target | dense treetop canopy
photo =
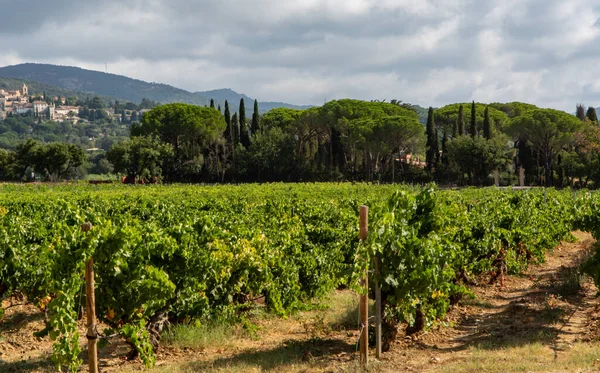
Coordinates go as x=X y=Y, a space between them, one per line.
x=448 y=115
x=174 y=123
x=513 y=109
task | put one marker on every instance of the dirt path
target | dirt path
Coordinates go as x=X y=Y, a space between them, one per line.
x=550 y=304
x=548 y=307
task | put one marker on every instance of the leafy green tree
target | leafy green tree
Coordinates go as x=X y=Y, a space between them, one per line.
x=473 y=128
x=487 y=125
x=511 y=109
x=96 y=103
x=255 y=119
x=432 y=142
x=547 y=131
x=342 y=150
x=99 y=165
x=283 y=118
x=447 y=116
x=25 y=158
x=105 y=143
x=475 y=158
x=7 y=159
x=146 y=104
x=591 y=115
x=194 y=132
x=58 y=160
x=396 y=135
x=141 y=158
x=583 y=161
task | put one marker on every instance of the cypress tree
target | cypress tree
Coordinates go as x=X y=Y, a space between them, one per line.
x=454 y=129
x=461 y=121
x=432 y=142
x=445 y=147
x=242 y=112
x=437 y=149
x=124 y=117
x=592 y=115
x=219 y=108
x=134 y=117
x=228 y=129
x=473 y=128
x=580 y=112
x=235 y=129
x=255 y=119
x=487 y=126
x=212 y=103
x=244 y=136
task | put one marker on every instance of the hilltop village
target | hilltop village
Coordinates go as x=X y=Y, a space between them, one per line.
x=20 y=102
x=57 y=109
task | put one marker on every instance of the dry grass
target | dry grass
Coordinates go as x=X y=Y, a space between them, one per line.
x=581 y=357
x=311 y=338
x=199 y=337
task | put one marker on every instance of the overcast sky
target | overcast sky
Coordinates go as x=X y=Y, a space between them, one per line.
x=429 y=52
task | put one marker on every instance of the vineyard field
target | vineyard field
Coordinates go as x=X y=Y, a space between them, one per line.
x=187 y=254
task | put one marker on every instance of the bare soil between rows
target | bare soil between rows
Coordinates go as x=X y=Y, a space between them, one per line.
x=544 y=306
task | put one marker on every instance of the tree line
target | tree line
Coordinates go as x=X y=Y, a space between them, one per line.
x=462 y=144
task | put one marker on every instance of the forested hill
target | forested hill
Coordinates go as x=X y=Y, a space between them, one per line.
x=124 y=88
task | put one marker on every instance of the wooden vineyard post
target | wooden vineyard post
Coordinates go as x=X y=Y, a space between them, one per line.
x=364 y=298
x=377 y=308
x=90 y=295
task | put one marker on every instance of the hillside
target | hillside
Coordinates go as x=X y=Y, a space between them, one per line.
x=124 y=88
x=37 y=88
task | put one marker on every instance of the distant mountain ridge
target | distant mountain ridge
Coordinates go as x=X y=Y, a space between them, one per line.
x=128 y=89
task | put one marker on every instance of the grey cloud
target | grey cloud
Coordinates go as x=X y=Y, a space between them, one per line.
x=435 y=53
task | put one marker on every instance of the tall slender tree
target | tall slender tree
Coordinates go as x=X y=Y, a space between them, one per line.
x=432 y=142
x=438 y=156
x=255 y=119
x=244 y=136
x=592 y=115
x=473 y=128
x=212 y=103
x=242 y=112
x=235 y=129
x=455 y=129
x=580 y=112
x=487 y=126
x=228 y=129
x=445 y=146
x=461 y=121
